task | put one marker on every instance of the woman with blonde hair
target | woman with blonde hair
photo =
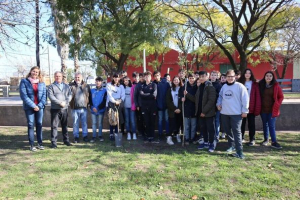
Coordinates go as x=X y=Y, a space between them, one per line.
x=33 y=94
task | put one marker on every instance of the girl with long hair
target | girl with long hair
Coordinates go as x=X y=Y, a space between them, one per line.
x=248 y=80
x=33 y=94
x=271 y=100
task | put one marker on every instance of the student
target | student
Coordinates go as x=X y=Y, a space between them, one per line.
x=162 y=87
x=272 y=97
x=237 y=74
x=223 y=79
x=188 y=97
x=33 y=93
x=137 y=101
x=115 y=100
x=135 y=78
x=97 y=101
x=233 y=102
x=60 y=95
x=174 y=110
x=148 y=95
x=217 y=85
x=129 y=114
x=247 y=78
x=182 y=75
x=205 y=107
x=79 y=103
x=168 y=78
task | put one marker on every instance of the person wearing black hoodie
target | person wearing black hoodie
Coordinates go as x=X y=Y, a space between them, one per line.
x=188 y=97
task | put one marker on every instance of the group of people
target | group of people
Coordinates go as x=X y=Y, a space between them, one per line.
x=211 y=103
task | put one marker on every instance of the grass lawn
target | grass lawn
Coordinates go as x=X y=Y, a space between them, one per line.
x=145 y=171
x=292 y=95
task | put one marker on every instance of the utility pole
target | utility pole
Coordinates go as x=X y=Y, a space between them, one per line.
x=37 y=33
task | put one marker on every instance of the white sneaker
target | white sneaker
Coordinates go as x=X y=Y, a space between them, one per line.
x=128 y=136
x=223 y=136
x=134 y=136
x=178 y=138
x=169 y=140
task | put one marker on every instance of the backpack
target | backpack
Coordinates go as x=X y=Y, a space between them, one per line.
x=113 y=117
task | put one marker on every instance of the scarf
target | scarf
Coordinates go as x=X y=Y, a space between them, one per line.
x=34 y=81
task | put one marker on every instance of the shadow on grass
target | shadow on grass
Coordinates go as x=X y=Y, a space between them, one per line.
x=10 y=143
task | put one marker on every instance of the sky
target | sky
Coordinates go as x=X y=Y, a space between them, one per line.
x=20 y=54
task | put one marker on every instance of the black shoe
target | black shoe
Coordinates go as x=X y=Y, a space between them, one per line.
x=76 y=140
x=276 y=145
x=53 y=145
x=67 y=143
x=85 y=139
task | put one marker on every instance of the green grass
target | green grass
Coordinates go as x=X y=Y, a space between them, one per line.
x=292 y=95
x=145 y=171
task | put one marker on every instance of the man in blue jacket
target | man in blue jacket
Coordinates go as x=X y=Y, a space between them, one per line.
x=162 y=88
x=97 y=102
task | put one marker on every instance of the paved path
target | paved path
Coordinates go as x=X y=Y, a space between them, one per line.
x=17 y=101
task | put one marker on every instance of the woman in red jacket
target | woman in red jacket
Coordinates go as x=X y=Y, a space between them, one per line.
x=248 y=80
x=272 y=97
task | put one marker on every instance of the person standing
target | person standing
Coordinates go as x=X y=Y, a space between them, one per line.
x=162 y=87
x=79 y=103
x=205 y=107
x=272 y=97
x=188 y=97
x=129 y=113
x=217 y=85
x=233 y=102
x=33 y=94
x=98 y=96
x=148 y=95
x=60 y=95
x=174 y=110
x=137 y=102
x=115 y=101
x=247 y=78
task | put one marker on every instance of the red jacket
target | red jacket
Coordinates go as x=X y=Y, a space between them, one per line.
x=278 y=98
x=255 y=100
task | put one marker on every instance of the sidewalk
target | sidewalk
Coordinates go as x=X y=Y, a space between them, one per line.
x=17 y=101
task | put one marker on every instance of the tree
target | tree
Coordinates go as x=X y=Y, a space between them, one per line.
x=60 y=28
x=112 y=29
x=283 y=46
x=16 y=16
x=250 y=21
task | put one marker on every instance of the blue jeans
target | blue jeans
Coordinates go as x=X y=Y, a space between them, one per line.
x=163 y=115
x=217 y=124
x=268 y=126
x=97 y=123
x=34 y=117
x=130 y=120
x=232 y=126
x=190 y=125
x=79 y=114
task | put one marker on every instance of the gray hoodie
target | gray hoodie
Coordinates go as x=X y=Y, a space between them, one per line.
x=234 y=99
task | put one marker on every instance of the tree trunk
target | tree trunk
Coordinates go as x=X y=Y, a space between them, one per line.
x=285 y=66
x=37 y=32
x=60 y=27
x=243 y=61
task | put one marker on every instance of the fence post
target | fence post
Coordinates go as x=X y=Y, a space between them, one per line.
x=295 y=85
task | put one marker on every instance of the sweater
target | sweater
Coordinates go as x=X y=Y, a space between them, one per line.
x=162 y=88
x=115 y=93
x=171 y=98
x=189 y=103
x=233 y=99
x=127 y=101
x=58 y=95
x=278 y=98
